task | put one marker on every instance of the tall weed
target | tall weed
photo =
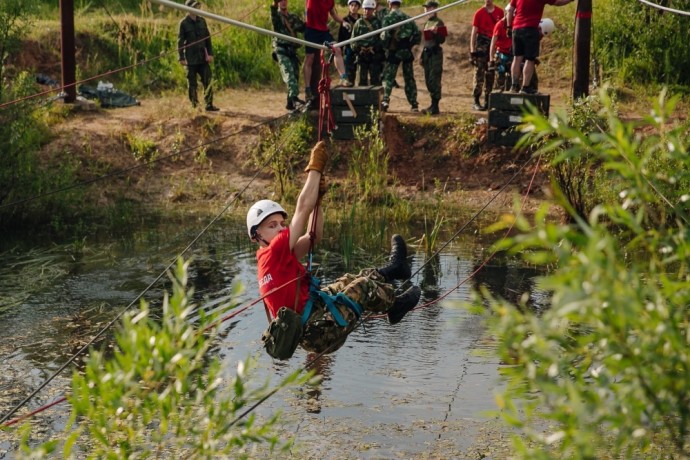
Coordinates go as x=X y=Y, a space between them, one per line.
x=368 y=166
x=282 y=150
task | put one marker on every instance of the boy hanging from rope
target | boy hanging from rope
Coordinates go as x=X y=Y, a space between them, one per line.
x=302 y=313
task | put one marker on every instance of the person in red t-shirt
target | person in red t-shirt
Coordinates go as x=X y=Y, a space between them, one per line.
x=501 y=54
x=317 y=31
x=483 y=23
x=286 y=287
x=523 y=20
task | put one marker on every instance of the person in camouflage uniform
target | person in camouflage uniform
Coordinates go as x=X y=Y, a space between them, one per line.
x=398 y=44
x=285 y=284
x=196 y=53
x=369 y=51
x=434 y=34
x=483 y=23
x=285 y=52
x=344 y=33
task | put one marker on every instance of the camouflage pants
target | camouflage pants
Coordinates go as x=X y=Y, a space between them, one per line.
x=289 y=70
x=350 y=61
x=432 y=61
x=370 y=68
x=483 y=77
x=390 y=69
x=368 y=289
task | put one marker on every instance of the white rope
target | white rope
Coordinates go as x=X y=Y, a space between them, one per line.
x=219 y=18
x=397 y=24
x=243 y=25
x=665 y=8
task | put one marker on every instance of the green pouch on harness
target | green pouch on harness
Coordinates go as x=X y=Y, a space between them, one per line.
x=283 y=334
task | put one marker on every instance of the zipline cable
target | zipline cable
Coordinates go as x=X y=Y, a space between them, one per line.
x=473 y=218
x=295 y=40
x=665 y=8
x=138 y=297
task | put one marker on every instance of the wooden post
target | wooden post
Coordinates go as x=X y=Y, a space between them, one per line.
x=69 y=62
x=581 y=53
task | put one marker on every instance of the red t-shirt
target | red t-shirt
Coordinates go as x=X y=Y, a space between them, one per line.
x=528 y=12
x=277 y=265
x=317 y=14
x=504 y=44
x=485 y=21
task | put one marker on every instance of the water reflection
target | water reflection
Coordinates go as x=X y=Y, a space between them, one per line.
x=384 y=376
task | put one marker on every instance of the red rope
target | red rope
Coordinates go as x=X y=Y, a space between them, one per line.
x=325 y=113
x=34 y=412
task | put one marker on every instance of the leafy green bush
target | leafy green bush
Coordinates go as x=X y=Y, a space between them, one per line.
x=161 y=393
x=576 y=173
x=607 y=365
x=641 y=44
x=22 y=132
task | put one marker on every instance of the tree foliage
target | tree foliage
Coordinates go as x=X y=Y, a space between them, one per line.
x=607 y=365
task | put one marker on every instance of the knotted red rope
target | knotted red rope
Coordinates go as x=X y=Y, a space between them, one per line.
x=325 y=114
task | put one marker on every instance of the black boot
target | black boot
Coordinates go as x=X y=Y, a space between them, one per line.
x=403 y=304
x=290 y=104
x=397 y=268
x=433 y=108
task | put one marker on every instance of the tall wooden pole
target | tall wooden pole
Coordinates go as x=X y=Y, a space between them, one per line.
x=581 y=54
x=69 y=62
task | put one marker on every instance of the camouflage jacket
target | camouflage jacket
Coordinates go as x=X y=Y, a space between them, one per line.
x=364 y=26
x=194 y=41
x=289 y=24
x=403 y=37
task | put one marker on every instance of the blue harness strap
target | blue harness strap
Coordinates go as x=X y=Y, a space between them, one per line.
x=329 y=300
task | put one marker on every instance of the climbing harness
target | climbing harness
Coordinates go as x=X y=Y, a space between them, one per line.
x=330 y=301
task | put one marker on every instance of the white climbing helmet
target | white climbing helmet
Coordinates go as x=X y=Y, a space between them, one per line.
x=369 y=4
x=354 y=1
x=547 y=26
x=259 y=212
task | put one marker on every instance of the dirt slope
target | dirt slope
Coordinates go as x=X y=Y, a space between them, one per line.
x=419 y=146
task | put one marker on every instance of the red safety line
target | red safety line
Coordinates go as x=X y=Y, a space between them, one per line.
x=61 y=399
x=223 y=319
x=325 y=113
x=254 y=302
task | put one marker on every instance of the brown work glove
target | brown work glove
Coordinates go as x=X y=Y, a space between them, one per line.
x=319 y=156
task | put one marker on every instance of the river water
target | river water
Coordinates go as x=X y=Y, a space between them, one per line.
x=421 y=388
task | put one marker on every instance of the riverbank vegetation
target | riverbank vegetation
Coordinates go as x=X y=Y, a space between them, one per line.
x=607 y=364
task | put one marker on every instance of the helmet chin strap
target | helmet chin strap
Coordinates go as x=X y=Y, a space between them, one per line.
x=258 y=237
